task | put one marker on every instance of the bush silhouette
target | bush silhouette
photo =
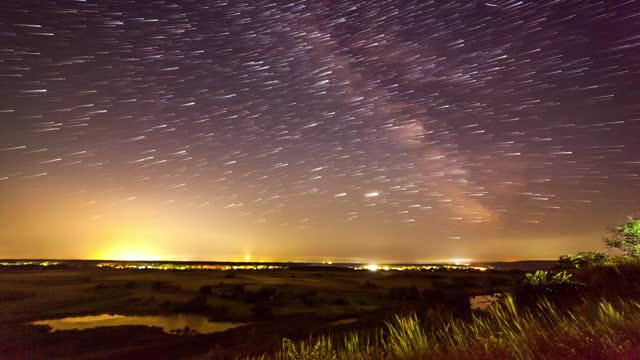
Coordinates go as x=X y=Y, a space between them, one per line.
x=625 y=237
x=557 y=288
x=583 y=259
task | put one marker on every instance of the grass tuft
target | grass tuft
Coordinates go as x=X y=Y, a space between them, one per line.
x=593 y=330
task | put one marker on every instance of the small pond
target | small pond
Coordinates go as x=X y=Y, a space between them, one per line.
x=172 y=324
x=483 y=302
x=343 y=321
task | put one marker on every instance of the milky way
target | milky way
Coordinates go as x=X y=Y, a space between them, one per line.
x=392 y=130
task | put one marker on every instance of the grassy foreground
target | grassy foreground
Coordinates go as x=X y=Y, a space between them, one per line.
x=593 y=330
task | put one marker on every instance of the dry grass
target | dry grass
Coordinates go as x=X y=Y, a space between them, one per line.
x=594 y=330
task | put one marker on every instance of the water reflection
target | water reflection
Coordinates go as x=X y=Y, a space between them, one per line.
x=483 y=302
x=172 y=324
x=343 y=321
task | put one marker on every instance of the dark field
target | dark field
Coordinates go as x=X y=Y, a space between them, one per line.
x=294 y=303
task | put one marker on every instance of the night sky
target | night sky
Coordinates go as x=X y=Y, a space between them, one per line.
x=316 y=130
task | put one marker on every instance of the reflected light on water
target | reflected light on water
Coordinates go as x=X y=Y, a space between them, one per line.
x=168 y=323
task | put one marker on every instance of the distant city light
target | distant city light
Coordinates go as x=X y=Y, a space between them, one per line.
x=186 y=266
x=136 y=257
x=167 y=265
x=458 y=261
x=372 y=267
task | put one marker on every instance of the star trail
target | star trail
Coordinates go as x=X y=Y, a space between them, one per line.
x=316 y=130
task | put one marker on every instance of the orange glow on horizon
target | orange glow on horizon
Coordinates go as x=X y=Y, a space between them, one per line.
x=130 y=243
x=129 y=253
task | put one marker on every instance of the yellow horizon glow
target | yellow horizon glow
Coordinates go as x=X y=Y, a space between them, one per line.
x=130 y=244
x=128 y=253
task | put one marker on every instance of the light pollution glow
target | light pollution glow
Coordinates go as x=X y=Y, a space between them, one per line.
x=360 y=131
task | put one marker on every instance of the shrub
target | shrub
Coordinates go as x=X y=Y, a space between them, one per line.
x=583 y=259
x=625 y=237
x=543 y=285
x=186 y=331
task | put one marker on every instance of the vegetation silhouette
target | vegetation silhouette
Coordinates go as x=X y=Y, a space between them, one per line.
x=586 y=308
x=625 y=237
